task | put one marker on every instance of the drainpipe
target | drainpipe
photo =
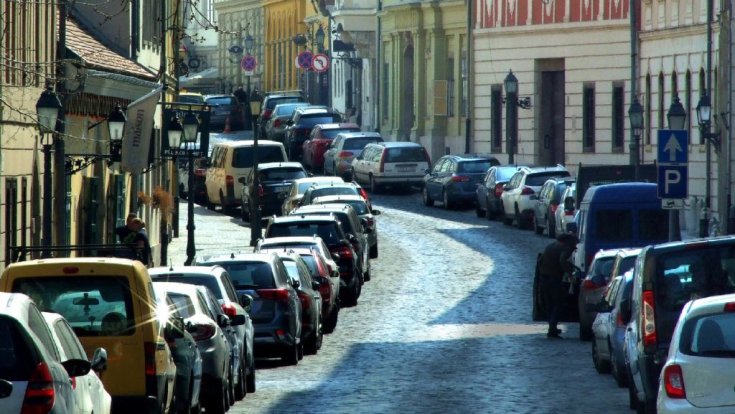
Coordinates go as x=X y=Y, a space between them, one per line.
x=468 y=115
x=378 y=69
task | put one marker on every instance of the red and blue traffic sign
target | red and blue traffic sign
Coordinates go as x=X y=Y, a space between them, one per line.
x=248 y=63
x=305 y=58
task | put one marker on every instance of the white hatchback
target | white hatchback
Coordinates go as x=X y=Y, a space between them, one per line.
x=517 y=202
x=700 y=369
x=391 y=164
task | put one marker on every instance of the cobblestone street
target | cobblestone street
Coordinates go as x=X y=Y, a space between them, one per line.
x=444 y=326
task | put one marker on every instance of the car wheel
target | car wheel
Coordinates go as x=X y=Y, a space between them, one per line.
x=300 y=351
x=585 y=333
x=374 y=251
x=218 y=403
x=446 y=200
x=551 y=228
x=291 y=355
x=230 y=389
x=479 y=212
x=488 y=213
x=620 y=379
x=331 y=323
x=632 y=392
x=374 y=188
x=506 y=220
x=312 y=345
x=366 y=275
x=517 y=218
x=425 y=197
x=208 y=202
x=240 y=387
x=538 y=229
x=602 y=367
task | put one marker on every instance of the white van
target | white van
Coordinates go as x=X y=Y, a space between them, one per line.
x=231 y=160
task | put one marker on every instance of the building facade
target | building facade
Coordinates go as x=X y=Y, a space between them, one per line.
x=236 y=21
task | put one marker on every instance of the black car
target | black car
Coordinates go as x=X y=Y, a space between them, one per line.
x=455 y=177
x=330 y=230
x=274 y=181
x=549 y=199
x=300 y=125
x=269 y=103
x=311 y=301
x=487 y=193
x=226 y=111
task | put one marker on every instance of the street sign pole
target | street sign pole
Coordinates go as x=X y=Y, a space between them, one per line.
x=673 y=174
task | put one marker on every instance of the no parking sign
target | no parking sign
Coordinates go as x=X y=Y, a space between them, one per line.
x=304 y=59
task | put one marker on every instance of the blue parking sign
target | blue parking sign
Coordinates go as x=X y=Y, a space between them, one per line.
x=673 y=146
x=672 y=181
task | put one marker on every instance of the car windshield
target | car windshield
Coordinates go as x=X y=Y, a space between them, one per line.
x=684 y=275
x=249 y=275
x=225 y=100
x=93 y=306
x=326 y=230
x=282 y=174
x=288 y=109
x=709 y=336
x=183 y=304
x=406 y=154
x=354 y=144
x=479 y=166
x=311 y=120
x=191 y=99
x=18 y=361
x=208 y=281
x=243 y=157
x=324 y=191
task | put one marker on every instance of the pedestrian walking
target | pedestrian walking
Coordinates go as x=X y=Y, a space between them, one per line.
x=552 y=265
x=125 y=233
x=141 y=244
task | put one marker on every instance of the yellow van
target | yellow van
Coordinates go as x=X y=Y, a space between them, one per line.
x=109 y=303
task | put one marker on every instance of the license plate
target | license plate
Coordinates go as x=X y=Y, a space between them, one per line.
x=281 y=189
x=406 y=169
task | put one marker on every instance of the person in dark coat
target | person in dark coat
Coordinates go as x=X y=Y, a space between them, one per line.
x=140 y=242
x=125 y=233
x=552 y=265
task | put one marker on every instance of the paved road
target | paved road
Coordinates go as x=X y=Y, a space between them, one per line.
x=444 y=326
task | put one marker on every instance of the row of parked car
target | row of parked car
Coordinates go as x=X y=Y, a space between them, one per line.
x=662 y=321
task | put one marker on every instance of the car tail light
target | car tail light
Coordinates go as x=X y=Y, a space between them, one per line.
x=589 y=284
x=277 y=123
x=200 y=172
x=73 y=382
x=344 y=154
x=325 y=290
x=459 y=179
x=229 y=310
x=261 y=191
x=273 y=294
x=619 y=320
x=568 y=212
x=382 y=161
x=203 y=331
x=674 y=381
x=40 y=395
x=553 y=208
x=729 y=307
x=363 y=193
x=267 y=113
x=230 y=180
x=648 y=320
x=305 y=301
x=344 y=252
x=149 y=349
x=369 y=222
x=527 y=191
x=426 y=156
x=499 y=189
x=67 y=270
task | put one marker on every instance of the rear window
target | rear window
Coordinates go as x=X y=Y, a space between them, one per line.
x=282 y=174
x=93 y=306
x=354 y=144
x=183 y=304
x=614 y=225
x=626 y=264
x=18 y=352
x=326 y=230
x=504 y=174
x=331 y=133
x=271 y=103
x=602 y=267
x=479 y=166
x=538 y=179
x=206 y=281
x=684 y=275
x=653 y=225
x=252 y=275
x=709 y=336
x=408 y=154
x=306 y=120
x=243 y=157
x=191 y=99
x=359 y=206
x=221 y=101
x=325 y=191
x=311 y=264
x=286 y=109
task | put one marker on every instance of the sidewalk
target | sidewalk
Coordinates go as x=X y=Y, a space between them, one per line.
x=215 y=233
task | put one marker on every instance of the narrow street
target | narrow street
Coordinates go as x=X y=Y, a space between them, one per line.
x=444 y=326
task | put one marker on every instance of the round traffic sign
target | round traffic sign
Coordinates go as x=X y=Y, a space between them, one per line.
x=320 y=63
x=305 y=59
x=248 y=63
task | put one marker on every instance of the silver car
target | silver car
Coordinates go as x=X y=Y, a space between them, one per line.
x=32 y=376
x=276 y=125
x=343 y=149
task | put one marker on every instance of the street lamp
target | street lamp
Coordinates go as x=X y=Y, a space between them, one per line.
x=511 y=114
x=320 y=39
x=249 y=43
x=677 y=117
x=635 y=115
x=47 y=109
x=704 y=117
x=116 y=124
x=190 y=136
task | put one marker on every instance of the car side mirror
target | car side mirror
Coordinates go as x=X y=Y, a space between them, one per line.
x=237 y=320
x=335 y=256
x=295 y=283
x=99 y=360
x=625 y=310
x=315 y=284
x=77 y=367
x=427 y=171
x=375 y=212
x=246 y=301
x=222 y=320
x=507 y=187
x=289 y=122
x=241 y=180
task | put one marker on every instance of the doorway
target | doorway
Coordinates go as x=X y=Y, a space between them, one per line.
x=551 y=131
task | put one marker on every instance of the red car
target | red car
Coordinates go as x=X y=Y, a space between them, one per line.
x=321 y=136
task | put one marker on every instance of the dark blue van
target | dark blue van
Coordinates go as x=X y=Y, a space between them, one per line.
x=619 y=215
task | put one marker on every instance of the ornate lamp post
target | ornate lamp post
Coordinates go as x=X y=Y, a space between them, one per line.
x=190 y=137
x=47 y=109
x=116 y=124
x=704 y=118
x=677 y=117
x=635 y=115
